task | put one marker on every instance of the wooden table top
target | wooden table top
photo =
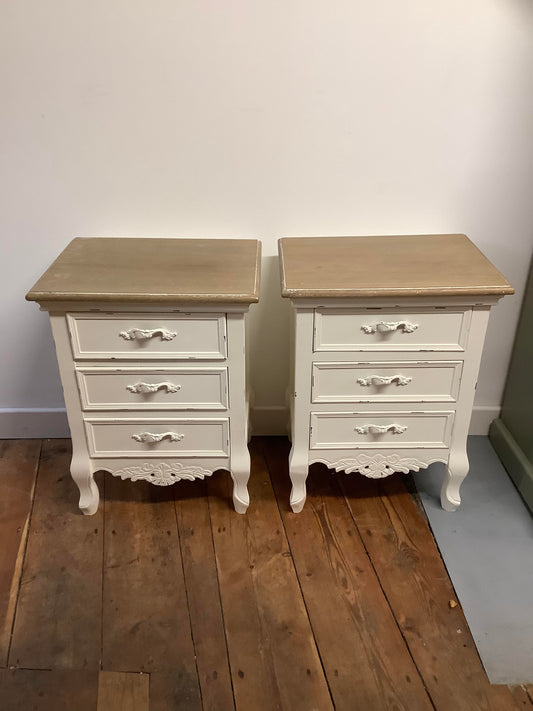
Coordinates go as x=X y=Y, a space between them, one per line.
x=153 y=270
x=406 y=265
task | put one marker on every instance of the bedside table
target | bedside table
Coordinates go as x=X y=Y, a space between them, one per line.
x=150 y=342
x=387 y=340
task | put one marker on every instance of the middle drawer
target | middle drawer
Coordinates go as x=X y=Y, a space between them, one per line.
x=386 y=381
x=145 y=388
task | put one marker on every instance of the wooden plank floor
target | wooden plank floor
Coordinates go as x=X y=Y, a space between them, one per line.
x=168 y=600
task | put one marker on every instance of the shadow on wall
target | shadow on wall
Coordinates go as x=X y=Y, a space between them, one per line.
x=268 y=353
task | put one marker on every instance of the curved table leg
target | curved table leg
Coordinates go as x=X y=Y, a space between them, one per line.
x=456 y=471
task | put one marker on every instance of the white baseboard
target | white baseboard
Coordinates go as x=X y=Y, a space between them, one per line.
x=40 y=423
x=33 y=423
x=482 y=416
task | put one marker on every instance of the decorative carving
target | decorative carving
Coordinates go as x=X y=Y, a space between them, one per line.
x=381 y=380
x=381 y=429
x=149 y=388
x=377 y=466
x=162 y=473
x=386 y=326
x=150 y=437
x=141 y=334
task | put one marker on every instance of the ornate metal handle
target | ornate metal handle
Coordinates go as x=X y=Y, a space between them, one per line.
x=142 y=334
x=380 y=429
x=148 y=388
x=380 y=380
x=149 y=437
x=387 y=326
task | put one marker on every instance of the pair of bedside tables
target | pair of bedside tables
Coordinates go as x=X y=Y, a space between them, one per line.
x=387 y=339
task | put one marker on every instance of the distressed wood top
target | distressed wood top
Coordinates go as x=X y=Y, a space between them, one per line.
x=153 y=270
x=406 y=265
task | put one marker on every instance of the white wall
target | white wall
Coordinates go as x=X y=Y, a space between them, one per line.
x=257 y=119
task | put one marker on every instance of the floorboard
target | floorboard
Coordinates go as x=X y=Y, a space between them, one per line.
x=59 y=609
x=167 y=600
x=414 y=579
x=119 y=691
x=19 y=460
x=523 y=696
x=146 y=619
x=273 y=657
x=174 y=691
x=55 y=690
x=366 y=660
x=203 y=595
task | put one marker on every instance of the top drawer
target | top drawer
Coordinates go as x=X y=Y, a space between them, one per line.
x=430 y=329
x=148 y=336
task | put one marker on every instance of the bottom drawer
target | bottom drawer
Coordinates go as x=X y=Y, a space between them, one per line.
x=353 y=430
x=112 y=437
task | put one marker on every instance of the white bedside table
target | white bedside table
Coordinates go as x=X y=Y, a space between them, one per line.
x=388 y=335
x=150 y=342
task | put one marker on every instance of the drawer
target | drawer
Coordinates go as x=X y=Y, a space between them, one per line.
x=391 y=430
x=135 y=436
x=411 y=381
x=431 y=329
x=130 y=388
x=143 y=336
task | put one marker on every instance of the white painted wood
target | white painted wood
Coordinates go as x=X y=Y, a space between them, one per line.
x=141 y=377
x=238 y=399
x=377 y=465
x=380 y=430
x=153 y=388
x=105 y=336
x=137 y=436
x=390 y=329
x=396 y=381
x=80 y=467
x=328 y=334
x=299 y=397
x=458 y=465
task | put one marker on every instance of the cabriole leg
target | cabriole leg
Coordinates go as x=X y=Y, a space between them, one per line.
x=456 y=471
x=240 y=473
x=80 y=470
x=298 y=471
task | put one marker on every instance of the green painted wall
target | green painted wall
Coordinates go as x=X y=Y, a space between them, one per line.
x=512 y=434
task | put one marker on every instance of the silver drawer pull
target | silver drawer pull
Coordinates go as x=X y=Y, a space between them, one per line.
x=149 y=437
x=381 y=380
x=387 y=326
x=142 y=334
x=144 y=388
x=380 y=429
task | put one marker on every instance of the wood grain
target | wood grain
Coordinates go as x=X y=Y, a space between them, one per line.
x=153 y=270
x=366 y=661
x=288 y=637
x=119 y=691
x=386 y=265
x=55 y=690
x=145 y=613
x=59 y=611
x=273 y=658
x=523 y=696
x=414 y=579
x=174 y=691
x=19 y=460
x=203 y=595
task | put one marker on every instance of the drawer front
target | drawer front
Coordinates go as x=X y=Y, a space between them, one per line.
x=380 y=330
x=135 y=436
x=437 y=381
x=391 y=430
x=153 y=388
x=143 y=336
